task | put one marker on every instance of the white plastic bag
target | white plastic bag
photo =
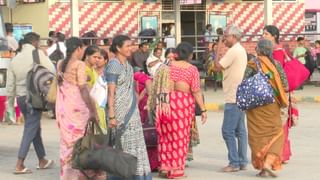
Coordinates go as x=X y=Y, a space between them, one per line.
x=99 y=92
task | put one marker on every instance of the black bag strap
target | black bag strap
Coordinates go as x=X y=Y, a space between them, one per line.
x=58 y=46
x=35 y=56
x=92 y=125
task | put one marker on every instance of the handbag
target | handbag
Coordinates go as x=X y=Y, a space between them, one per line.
x=197 y=108
x=84 y=145
x=150 y=135
x=254 y=91
x=104 y=152
x=99 y=92
x=296 y=72
x=94 y=151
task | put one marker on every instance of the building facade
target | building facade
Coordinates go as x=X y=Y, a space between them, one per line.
x=108 y=18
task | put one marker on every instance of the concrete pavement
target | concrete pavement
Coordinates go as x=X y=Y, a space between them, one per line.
x=209 y=156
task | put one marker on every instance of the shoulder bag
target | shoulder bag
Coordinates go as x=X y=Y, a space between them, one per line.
x=254 y=91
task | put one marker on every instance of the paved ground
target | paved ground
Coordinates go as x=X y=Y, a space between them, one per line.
x=210 y=155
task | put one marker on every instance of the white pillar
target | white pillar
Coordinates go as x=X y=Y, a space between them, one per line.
x=74 y=5
x=318 y=24
x=177 y=21
x=268 y=12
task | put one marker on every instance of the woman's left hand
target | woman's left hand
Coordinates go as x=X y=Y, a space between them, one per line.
x=113 y=123
x=166 y=109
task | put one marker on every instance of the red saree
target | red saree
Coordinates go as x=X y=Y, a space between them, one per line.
x=174 y=128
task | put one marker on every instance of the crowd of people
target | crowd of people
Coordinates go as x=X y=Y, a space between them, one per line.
x=159 y=90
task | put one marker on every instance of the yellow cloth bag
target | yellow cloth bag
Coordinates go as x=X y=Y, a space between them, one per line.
x=52 y=93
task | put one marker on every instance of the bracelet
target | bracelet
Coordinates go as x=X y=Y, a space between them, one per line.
x=203 y=111
x=110 y=118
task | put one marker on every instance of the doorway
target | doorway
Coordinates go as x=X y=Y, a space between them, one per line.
x=192 y=24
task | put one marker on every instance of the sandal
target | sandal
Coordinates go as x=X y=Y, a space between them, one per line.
x=23 y=171
x=163 y=174
x=270 y=172
x=48 y=165
x=262 y=174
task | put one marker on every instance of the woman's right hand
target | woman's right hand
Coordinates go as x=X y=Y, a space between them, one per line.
x=94 y=117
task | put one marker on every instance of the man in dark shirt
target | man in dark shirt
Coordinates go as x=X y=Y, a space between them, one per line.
x=140 y=56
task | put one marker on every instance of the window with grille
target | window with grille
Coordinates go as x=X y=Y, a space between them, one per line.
x=4 y=2
x=185 y=4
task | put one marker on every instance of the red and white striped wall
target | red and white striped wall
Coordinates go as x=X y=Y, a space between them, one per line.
x=107 y=19
x=288 y=17
x=110 y=18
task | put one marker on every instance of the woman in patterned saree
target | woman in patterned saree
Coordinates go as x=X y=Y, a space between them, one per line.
x=74 y=106
x=265 y=131
x=121 y=101
x=175 y=89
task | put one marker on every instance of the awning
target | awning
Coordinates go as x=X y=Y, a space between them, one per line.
x=312 y=5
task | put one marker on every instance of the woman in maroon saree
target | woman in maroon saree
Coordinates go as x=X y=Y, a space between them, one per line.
x=143 y=86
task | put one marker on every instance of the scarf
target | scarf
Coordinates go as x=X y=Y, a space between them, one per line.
x=160 y=88
x=274 y=79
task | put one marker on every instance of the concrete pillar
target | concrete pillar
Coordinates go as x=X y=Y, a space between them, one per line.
x=177 y=21
x=74 y=6
x=318 y=24
x=268 y=12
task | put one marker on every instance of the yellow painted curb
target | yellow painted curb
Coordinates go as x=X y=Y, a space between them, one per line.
x=298 y=98
x=213 y=107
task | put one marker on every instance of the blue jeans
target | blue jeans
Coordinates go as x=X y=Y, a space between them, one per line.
x=32 y=130
x=235 y=135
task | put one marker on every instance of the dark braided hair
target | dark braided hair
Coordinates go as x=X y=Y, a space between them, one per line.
x=72 y=44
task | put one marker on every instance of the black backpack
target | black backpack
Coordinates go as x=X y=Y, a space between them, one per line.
x=39 y=80
x=56 y=55
x=310 y=62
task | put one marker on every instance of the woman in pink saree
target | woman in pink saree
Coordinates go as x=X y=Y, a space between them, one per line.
x=73 y=105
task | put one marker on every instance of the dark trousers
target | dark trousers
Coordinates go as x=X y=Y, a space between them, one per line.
x=32 y=130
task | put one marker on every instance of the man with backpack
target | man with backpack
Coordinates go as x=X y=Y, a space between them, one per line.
x=17 y=83
x=58 y=50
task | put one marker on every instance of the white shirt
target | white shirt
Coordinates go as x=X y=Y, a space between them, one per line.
x=234 y=63
x=152 y=70
x=12 y=43
x=54 y=47
x=170 y=42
